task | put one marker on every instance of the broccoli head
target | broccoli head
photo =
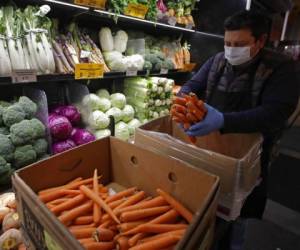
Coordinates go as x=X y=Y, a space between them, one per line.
x=40 y=146
x=4 y=131
x=6 y=148
x=158 y=65
x=24 y=155
x=152 y=58
x=147 y=65
x=26 y=132
x=5 y=171
x=28 y=106
x=13 y=115
x=39 y=128
x=5 y=104
x=168 y=64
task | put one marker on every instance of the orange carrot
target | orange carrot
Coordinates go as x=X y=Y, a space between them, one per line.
x=83 y=232
x=86 y=240
x=57 y=194
x=122 y=243
x=83 y=220
x=116 y=203
x=103 y=190
x=124 y=227
x=143 y=213
x=90 y=194
x=155 y=228
x=73 y=185
x=131 y=201
x=155 y=202
x=168 y=217
x=179 y=108
x=160 y=243
x=179 y=100
x=193 y=139
x=191 y=117
x=106 y=224
x=103 y=234
x=184 y=212
x=195 y=111
x=186 y=126
x=99 y=245
x=82 y=226
x=176 y=119
x=180 y=116
x=58 y=201
x=96 y=208
x=67 y=205
x=179 y=232
x=121 y=195
x=72 y=214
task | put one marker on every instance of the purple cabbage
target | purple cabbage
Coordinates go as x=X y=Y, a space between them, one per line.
x=60 y=127
x=62 y=146
x=82 y=136
x=70 y=112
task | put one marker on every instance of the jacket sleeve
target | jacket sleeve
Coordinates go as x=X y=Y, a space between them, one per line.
x=278 y=101
x=198 y=82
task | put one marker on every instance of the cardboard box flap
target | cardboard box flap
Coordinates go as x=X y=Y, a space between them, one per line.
x=140 y=168
x=68 y=166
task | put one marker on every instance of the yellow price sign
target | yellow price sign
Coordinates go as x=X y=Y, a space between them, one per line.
x=89 y=71
x=97 y=4
x=136 y=10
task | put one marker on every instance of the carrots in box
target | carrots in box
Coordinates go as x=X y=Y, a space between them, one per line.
x=147 y=223
x=188 y=110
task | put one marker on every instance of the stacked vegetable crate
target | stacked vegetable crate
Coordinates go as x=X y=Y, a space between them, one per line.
x=151 y=97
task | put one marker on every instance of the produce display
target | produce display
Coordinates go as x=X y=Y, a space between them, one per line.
x=100 y=106
x=188 y=110
x=22 y=136
x=64 y=125
x=25 y=40
x=171 y=12
x=100 y=218
x=151 y=97
x=11 y=237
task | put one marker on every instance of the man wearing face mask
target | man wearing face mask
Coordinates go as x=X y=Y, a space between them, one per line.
x=246 y=90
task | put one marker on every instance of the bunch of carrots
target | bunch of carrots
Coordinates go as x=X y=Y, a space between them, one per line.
x=188 y=110
x=126 y=220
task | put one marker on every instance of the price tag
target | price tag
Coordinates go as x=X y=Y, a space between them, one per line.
x=89 y=71
x=97 y=4
x=131 y=72
x=164 y=71
x=136 y=10
x=85 y=54
x=24 y=75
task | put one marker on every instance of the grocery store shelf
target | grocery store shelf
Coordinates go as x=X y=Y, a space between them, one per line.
x=110 y=75
x=112 y=16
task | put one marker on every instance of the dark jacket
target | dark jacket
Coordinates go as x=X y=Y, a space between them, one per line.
x=276 y=101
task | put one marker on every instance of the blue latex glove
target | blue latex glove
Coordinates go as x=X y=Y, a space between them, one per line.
x=213 y=121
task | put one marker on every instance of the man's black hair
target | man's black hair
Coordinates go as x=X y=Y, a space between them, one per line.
x=257 y=23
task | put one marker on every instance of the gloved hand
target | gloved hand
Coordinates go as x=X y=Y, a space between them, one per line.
x=213 y=121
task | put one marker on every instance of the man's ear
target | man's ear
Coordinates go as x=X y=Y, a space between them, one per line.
x=262 y=40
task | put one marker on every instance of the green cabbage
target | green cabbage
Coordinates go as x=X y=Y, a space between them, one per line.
x=118 y=100
x=133 y=124
x=103 y=93
x=116 y=113
x=128 y=113
x=102 y=133
x=122 y=131
x=98 y=120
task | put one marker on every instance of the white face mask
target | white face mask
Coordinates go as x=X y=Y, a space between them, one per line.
x=237 y=55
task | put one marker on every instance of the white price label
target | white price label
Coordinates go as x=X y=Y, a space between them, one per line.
x=164 y=71
x=24 y=75
x=85 y=54
x=131 y=72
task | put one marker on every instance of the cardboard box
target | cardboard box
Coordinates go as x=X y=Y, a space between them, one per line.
x=235 y=158
x=119 y=163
